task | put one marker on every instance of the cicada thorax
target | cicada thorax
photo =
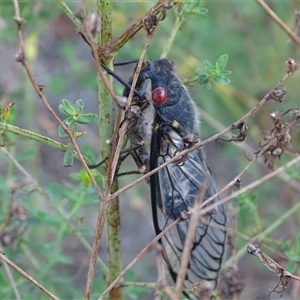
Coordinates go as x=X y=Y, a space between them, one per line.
x=168 y=103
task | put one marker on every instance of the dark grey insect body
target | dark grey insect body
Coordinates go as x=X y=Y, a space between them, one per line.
x=164 y=126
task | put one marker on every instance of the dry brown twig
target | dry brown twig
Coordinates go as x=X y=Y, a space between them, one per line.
x=281 y=24
x=292 y=68
x=22 y=58
x=112 y=167
x=188 y=243
x=27 y=276
x=250 y=186
x=142 y=252
x=232 y=286
x=123 y=130
x=11 y=279
x=276 y=141
x=283 y=275
x=267 y=97
x=158 y=8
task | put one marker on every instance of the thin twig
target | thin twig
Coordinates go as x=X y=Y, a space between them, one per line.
x=22 y=58
x=27 y=276
x=134 y=81
x=138 y=25
x=11 y=280
x=251 y=185
x=244 y=146
x=234 y=251
x=261 y=152
x=111 y=167
x=281 y=24
x=267 y=231
x=38 y=138
x=70 y=14
x=53 y=205
x=189 y=240
x=211 y=139
x=273 y=266
x=138 y=257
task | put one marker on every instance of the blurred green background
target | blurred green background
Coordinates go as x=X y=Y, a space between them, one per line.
x=48 y=250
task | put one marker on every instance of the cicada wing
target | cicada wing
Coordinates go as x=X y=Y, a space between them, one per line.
x=174 y=190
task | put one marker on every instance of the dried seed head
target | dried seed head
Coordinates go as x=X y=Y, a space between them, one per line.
x=276 y=115
x=297 y=113
x=238 y=183
x=150 y=23
x=277 y=95
x=20 y=57
x=41 y=86
x=253 y=249
x=20 y=211
x=292 y=65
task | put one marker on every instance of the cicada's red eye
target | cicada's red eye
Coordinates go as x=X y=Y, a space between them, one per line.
x=170 y=61
x=159 y=95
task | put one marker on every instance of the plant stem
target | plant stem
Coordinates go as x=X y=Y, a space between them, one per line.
x=177 y=25
x=260 y=237
x=72 y=228
x=70 y=14
x=106 y=114
x=4 y=127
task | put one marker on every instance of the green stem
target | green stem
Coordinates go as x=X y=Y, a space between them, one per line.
x=106 y=114
x=70 y=14
x=5 y=127
x=177 y=25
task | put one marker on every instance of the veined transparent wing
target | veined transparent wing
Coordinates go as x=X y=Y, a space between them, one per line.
x=174 y=190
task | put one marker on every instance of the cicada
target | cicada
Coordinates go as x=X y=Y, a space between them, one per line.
x=166 y=126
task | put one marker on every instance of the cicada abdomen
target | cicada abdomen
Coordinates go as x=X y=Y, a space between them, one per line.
x=164 y=126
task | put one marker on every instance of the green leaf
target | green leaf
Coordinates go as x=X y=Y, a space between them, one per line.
x=198 y=71
x=62 y=111
x=204 y=12
x=222 y=79
x=208 y=86
x=203 y=79
x=222 y=61
x=79 y=106
x=6 y=111
x=70 y=123
x=68 y=108
x=86 y=118
x=225 y=72
x=69 y=156
x=207 y=66
x=61 y=132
